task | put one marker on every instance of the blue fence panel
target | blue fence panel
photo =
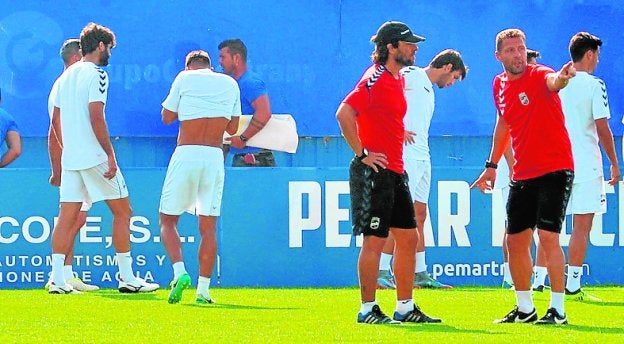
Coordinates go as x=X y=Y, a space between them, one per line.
x=279 y=227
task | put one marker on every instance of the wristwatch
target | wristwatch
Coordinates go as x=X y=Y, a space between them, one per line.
x=489 y=164
x=243 y=138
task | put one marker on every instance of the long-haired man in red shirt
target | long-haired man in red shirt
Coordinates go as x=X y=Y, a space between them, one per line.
x=371 y=120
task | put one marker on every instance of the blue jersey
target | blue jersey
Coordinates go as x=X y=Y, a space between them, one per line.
x=7 y=123
x=251 y=87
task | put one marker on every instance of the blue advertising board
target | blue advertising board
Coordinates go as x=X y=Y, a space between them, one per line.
x=280 y=227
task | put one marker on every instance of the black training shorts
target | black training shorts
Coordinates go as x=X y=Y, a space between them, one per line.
x=539 y=202
x=379 y=200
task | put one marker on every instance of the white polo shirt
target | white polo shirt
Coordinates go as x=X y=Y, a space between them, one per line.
x=420 y=105
x=82 y=83
x=585 y=100
x=202 y=93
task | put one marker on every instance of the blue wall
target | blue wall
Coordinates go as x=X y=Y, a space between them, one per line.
x=311 y=53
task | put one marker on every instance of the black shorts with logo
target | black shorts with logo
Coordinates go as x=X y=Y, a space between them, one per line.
x=539 y=202
x=379 y=200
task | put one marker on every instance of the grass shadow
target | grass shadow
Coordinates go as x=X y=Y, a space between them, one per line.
x=235 y=306
x=594 y=329
x=435 y=328
x=125 y=296
x=601 y=303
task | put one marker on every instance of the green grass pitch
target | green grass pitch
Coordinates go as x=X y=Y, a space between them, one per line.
x=295 y=316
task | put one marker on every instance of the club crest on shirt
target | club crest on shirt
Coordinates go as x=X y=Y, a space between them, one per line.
x=524 y=99
x=374 y=224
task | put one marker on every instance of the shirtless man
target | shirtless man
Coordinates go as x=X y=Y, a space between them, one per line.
x=207 y=104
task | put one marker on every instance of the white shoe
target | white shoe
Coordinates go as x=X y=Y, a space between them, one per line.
x=62 y=289
x=137 y=286
x=79 y=285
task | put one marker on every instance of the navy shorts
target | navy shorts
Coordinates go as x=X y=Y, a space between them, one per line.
x=379 y=200
x=539 y=202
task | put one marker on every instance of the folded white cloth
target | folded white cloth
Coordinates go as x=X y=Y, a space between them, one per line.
x=279 y=134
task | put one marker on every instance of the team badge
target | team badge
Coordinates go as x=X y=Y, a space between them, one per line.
x=524 y=99
x=374 y=224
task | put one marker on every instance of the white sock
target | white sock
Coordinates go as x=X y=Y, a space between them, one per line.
x=384 y=261
x=203 y=283
x=58 y=260
x=178 y=270
x=124 y=261
x=404 y=306
x=507 y=273
x=68 y=272
x=556 y=302
x=573 y=282
x=539 y=275
x=421 y=264
x=524 y=299
x=366 y=307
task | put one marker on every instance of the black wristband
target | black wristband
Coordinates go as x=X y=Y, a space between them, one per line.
x=363 y=155
x=489 y=164
x=243 y=138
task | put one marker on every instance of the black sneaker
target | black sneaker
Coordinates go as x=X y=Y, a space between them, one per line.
x=539 y=288
x=376 y=316
x=552 y=317
x=416 y=316
x=515 y=316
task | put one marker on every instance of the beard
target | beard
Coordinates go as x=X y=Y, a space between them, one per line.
x=104 y=56
x=514 y=69
x=404 y=60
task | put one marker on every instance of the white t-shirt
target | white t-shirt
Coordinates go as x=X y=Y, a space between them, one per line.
x=52 y=96
x=585 y=100
x=82 y=83
x=202 y=93
x=420 y=106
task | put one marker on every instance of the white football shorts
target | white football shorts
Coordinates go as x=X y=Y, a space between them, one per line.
x=194 y=181
x=419 y=173
x=588 y=197
x=89 y=186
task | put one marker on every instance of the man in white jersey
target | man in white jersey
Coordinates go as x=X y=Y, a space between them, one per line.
x=586 y=110
x=207 y=104
x=88 y=163
x=443 y=71
x=70 y=53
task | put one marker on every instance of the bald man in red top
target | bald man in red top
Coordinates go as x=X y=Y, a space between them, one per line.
x=529 y=109
x=371 y=120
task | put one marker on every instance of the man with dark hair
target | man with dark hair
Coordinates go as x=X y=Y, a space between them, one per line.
x=9 y=134
x=70 y=53
x=586 y=110
x=254 y=101
x=532 y=56
x=443 y=70
x=88 y=163
x=207 y=104
x=529 y=111
x=371 y=120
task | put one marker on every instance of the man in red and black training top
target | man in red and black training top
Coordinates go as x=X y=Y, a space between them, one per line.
x=371 y=120
x=529 y=110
